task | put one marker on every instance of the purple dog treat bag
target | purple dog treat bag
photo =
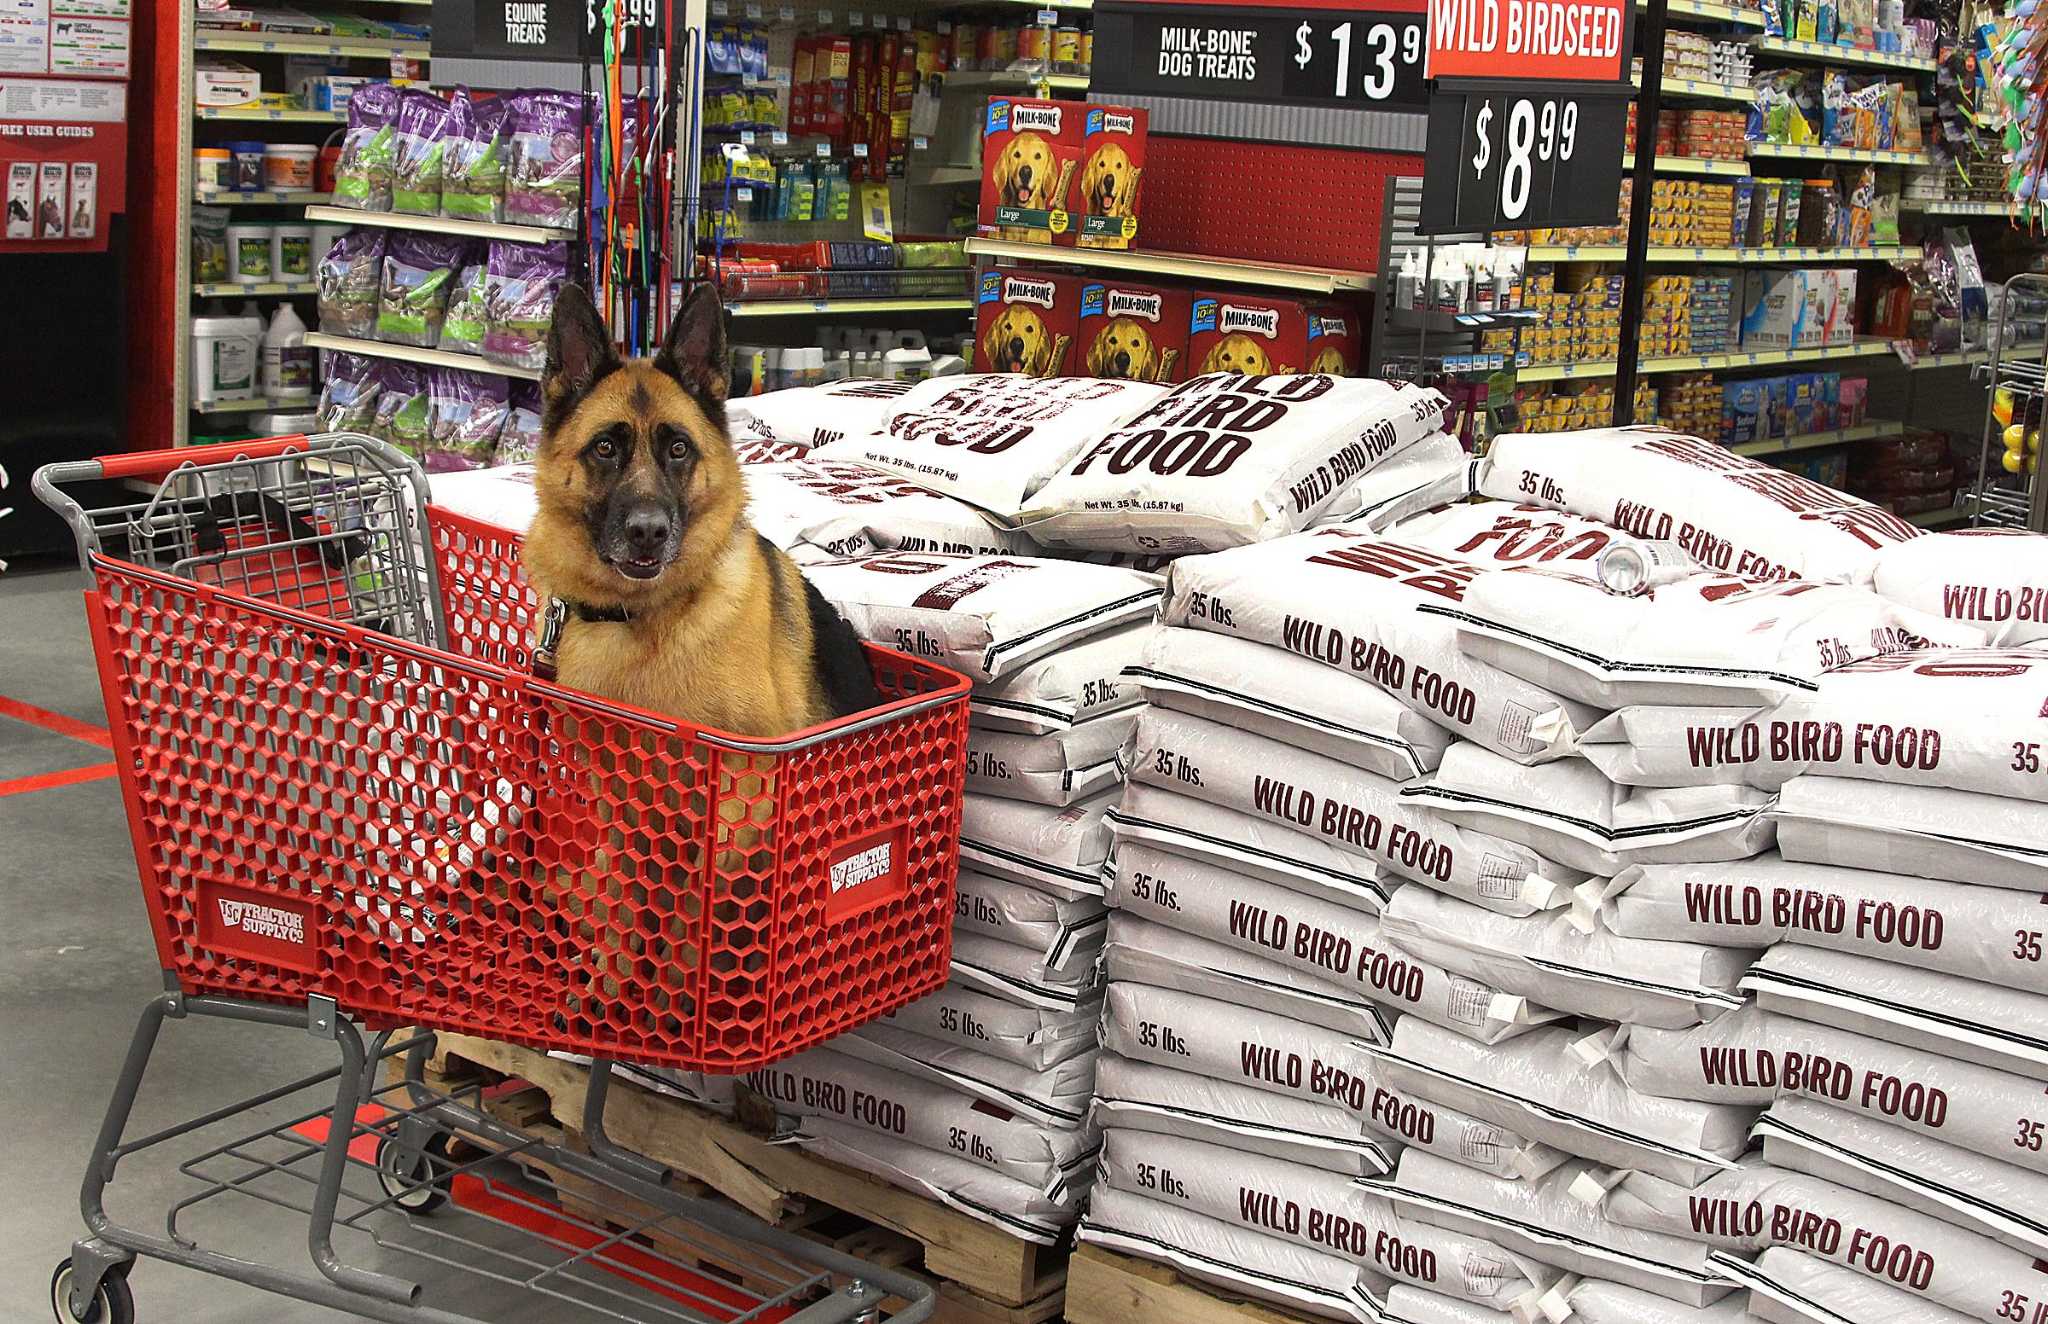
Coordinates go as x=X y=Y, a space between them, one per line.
x=348 y=398
x=466 y=411
x=419 y=277
x=473 y=163
x=520 y=437
x=519 y=301
x=419 y=148
x=348 y=280
x=402 y=407
x=362 y=174
x=544 y=144
x=462 y=332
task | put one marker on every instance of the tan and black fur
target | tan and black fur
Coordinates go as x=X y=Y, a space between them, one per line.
x=642 y=514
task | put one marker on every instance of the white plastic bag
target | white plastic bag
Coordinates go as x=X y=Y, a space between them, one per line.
x=815 y=415
x=1573 y=814
x=1141 y=952
x=1955 y=928
x=1498 y=534
x=1016 y=1207
x=1076 y=682
x=1353 y=602
x=1222 y=460
x=1057 y=850
x=1433 y=472
x=1787 y=1287
x=1732 y=514
x=1275 y=693
x=1057 y=931
x=1142 y=1096
x=1552 y=962
x=983 y=615
x=1015 y=974
x=1993 y=579
x=1925 y=831
x=993 y=439
x=1350 y=808
x=858 y=510
x=1537 y=1085
x=1027 y=1036
x=1057 y=768
x=1056 y=1096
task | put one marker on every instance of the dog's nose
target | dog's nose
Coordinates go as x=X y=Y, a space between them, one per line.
x=1017 y=347
x=1024 y=176
x=647 y=532
x=1122 y=362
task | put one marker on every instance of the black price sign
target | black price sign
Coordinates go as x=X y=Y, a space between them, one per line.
x=533 y=29
x=1361 y=59
x=1511 y=160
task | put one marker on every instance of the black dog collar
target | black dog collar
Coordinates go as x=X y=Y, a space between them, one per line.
x=554 y=616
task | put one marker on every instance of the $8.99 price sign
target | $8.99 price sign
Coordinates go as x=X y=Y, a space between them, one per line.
x=1510 y=160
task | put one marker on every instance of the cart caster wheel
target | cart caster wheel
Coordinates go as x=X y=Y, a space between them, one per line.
x=114 y=1303
x=422 y=1188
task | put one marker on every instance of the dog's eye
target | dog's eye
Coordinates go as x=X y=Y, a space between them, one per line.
x=605 y=449
x=679 y=450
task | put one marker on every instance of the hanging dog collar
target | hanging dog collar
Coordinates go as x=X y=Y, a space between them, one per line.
x=554 y=618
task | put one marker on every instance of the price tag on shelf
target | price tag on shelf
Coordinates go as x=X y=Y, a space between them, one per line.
x=919 y=143
x=1528 y=157
x=824 y=149
x=824 y=18
x=786 y=14
x=755 y=12
x=860 y=150
x=1907 y=352
x=903 y=22
x=720 y=9
x=1048 y=18
x=743 y=194
x=746 y=137
x=945 y=28
x=779 y=137
x=856 y=19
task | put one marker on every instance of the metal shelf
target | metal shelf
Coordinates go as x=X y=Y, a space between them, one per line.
x=268 y=198
x=845 y=307
x=271 y=116
x=1544 y=372
x=1741 y=256
x=1964 y=358
x=435 y=358
x=1690 y=165
x=256 y=406
x=228 y=289
x=1807 y=441
x=525 y=234
x=2007 y=211
x=1746 y=17
x=1814 y=152
x=1828 y=53
x=1315 y=280
x=1701 y=90
x=1000 y=78
x=282 y=43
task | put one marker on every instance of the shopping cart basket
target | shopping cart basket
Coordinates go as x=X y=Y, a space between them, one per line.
x=350 y=799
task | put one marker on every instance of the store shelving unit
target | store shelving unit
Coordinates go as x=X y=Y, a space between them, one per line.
x=524 y=234
x=1959 y=207
x=1738 y=256
x=228 y=289
x=1861 y=348
x=263 y=115
x=1814 y=152
x=845 y=307
x=265 y=198
x=1691 y=165
x=1828 y=53
x=1807 y=441
x=1740 y=15
x=1311 y=280
x=1010 y=79
x=340 y=48
x=1698 y=89
x=432 y=358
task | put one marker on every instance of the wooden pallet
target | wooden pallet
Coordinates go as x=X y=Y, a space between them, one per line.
x=1104 y=1287
x=985 y=1276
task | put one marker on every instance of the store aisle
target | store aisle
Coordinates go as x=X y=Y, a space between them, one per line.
x=76 y=964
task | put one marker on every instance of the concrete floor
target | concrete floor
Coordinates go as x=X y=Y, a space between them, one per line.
x=76 y=965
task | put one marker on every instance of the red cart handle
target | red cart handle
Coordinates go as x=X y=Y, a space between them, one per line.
x=134 y=464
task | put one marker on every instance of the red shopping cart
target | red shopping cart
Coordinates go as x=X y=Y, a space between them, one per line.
x=350 y=798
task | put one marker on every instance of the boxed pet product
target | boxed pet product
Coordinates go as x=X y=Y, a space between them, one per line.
x=1333 y=340
x=1027 y=321
x=1798 y=309
x=1103 y=198
x=1247 y=333
x=1030 y=152
x=1136 y=332
x=21 y=189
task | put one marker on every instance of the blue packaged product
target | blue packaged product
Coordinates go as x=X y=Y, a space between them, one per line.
x=1743 y=406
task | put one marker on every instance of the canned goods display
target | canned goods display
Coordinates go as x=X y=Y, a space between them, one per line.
x=1034 y=44
x=1066 y=47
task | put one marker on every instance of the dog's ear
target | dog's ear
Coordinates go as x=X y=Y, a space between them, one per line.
x=580 y=354
x=694 y=353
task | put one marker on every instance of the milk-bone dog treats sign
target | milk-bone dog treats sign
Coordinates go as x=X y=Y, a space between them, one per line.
x=1553 y=40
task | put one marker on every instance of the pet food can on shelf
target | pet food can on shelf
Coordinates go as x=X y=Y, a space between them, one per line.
x=212 y=169
x=246 y=174
x=291 y=252
x=965 y=43
x=249 y=254
x=288 y=167
x=1033 y=44
x=1087 y=48
x=1066 y=48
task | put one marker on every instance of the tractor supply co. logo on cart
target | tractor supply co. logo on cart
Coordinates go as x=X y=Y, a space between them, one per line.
x=259 y=921
x=865 y=873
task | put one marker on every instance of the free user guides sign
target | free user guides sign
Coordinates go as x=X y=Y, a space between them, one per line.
x=1551 y=40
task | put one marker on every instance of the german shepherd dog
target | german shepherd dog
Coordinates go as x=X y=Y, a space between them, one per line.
x=675 y=603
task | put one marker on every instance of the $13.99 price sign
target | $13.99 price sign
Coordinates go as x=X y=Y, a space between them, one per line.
x=1374 y=58
x=1517 y=159
x=1360 y=59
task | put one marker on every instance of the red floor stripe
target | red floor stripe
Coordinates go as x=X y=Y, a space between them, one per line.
x=44 y=781
x=58 y=722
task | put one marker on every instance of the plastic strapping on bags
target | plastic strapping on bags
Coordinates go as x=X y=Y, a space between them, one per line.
x=1012 y=973
x=1955 y=928
x=1142 y=952
x=1142 y=1096
x=1540 y=1218
x=1965 y=1018
x=1322 y=939
x=1058 y=932
x=1198 y=830
x=1053 y=769
x=1325 y=1211
x=1733 y=514
x=1548 y=960
x=1026 y=1036
x=1255 y=1265
x=1351 y=601
x=1014 y=1206
x=1997 y=1200
x=1288 y=698
x=1573 y=814
x=1341 y=804
x=983 y=615
x=1534 y=1085
x=1926 y=831
x=1058 y=850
